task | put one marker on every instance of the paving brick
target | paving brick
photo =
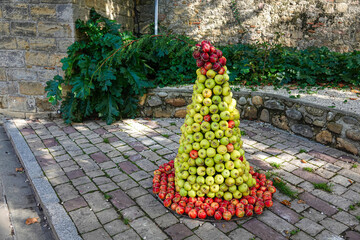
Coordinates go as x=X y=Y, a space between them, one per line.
x=299 y=206
x=166 y=220
x=120 y=199
x=285 y=212
x=99 y=157
x=140 y=175
x=98 y=234
x=138 y=146
x=311 y=177
x=127 y=235
x=132 y=213
x=336 y=200
x=322 y=156
x=80 y=180
x=178 y=231
x=85 y=188
x=226 y=227
x=326 y=235
x=101 y=180
x=127 y=184
x=333 y=225
x=136 y=192
x=96 y=201
x=66 y=192
x=352 y=235
x=147 y=165
x=75 y=203
x=75 y=174
x=115 y=227
x=341 y=180
x=151 y=206
x=318 y=204
x=277 y=223
x=346 y=218
x=69 y=130
x=262 y=230
x=50 y=142
x=260 y=163
x=240 y=233
x=147 y=229
x=107 y=215
x=85 y=220
x=309 y=226
x=128 y=167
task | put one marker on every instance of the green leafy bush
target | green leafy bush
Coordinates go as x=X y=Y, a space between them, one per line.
x=108 y=70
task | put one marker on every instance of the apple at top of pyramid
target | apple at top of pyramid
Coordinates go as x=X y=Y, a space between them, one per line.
x=210 y=160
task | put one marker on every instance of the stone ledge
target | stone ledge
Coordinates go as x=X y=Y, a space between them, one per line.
x=60 y=222
x=335 y=127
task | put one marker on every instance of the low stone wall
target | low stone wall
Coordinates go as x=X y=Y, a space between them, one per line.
x=325 y=125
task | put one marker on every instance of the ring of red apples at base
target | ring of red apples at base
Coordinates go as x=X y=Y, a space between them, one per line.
x=212 y=208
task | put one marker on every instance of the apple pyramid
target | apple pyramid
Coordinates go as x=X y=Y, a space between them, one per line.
x=210 y=176
x=210 y=161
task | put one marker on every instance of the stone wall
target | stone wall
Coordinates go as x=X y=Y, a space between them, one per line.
x=297 y=23
x=34 y=37
x=322 y=124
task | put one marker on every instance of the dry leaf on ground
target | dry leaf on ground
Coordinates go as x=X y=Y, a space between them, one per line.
x=353 y=98
x=350 y=181
x=355 y=91
x=286 y=203
x=31 y=220
x=20 y=169
x=303 y=161
x=301 y=201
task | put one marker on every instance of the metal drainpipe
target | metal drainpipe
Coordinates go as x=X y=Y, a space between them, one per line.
x=156 y=16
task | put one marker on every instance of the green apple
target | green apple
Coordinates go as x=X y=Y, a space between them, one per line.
x=188 y=148
x=209 y=180
x=219 y=79
x=226 y=77
x=200 y=193
x=245 y=177
x=192 y=170
x=189 y=129
x=239 y=181
x=233 y=188
x=195 y=186
x=199 y=87
x=229 y=181
x=218 y=158
x=209 y=162
x=191 y=162
x=189 y=121
x=207 y=102
x=223 y=187
x=190 y=138
x=229 y=165
x=234 y=173
x=237 y=194
x=217 y=90
x=204 y=144
x=227 y=99
x=225 y=173
x=196 y=146
x=181 y=183
x=201 y=78
x=229 y=133
x=221 y=149
x=224 y=141
x=210 y=83
x=202 y=153
x=181 y=149
x=183 y=192
x=204 y=110
x=216 y=118
x=211 y=73
x=191 y=179
x=215 y=99
x=199 y=98
x=214 y=126
x=210 y=195
x=191 y=193
x=225 y=91
x=232 y=139
x=214 y=188
x=204 y=188
x=225 y=115
x=201 y=171
x=206 y=93
x=187 y=186
x=219 y=179
x=198 y=136
x=223 y=106
x=197 y=107
x=214 y=143
x=196 y=127
x=213 y=109
x=219 y=133
x=243 y=188
x=219 y=167
x=235 y=155
x=223 y=125
x=199 y=161
x=200 y=180
x=228 y=196
x=237 y=122
x=237 y=146
x=210 y=152
x=210 y=135
x=238 y=164
x=246 y=193
x=226 y=157
x=242 y=152
x=219 y=194
x=232 y=105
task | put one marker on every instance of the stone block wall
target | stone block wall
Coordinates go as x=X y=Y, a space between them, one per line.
x=322 y=124
x=34 y=37
x=296 y=23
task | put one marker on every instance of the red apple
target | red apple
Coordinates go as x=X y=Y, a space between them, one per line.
x=157 y=172
x=222 y=61
x=202 y=214
x=219 y=53
x=204 y=206
x=249 y=206
x=230 y=147
x=227 y=215
x=156 y=190
x=192 y=213
x=239 y=212
x=218 y=200
x=216 y=66
x=212 y=49
x=194 y=154
x=185 y=199
x=221 y=71
x=209 y=200
x=268 y=203
x=192 y=200
x=251 y=200
x=271 y=189
x=173 y=206
x=258 y=210
x=203 y=71
x=213 y=58
x=207 y=118
x=182 y=203
x=210 y=211
x=206 y=47
x=240 y=205
x=196 y=54
x=162 y=195
x=215 y=205
x=222 y=209
x=218 y=215
x=241 y=158
x=249 y=212
x=169 y=196
x=231 y=124
x=201 y=199
x=180 y=210
x=188 y=209
x=234 y=201
x=260 y=203
x=208 y=65
x=200 y=63
x=198 y=203
x=244 y=201
x=204 y=56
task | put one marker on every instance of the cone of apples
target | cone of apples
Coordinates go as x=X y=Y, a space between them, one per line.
x=210 y=176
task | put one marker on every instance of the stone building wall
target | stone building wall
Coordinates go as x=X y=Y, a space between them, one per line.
x=328 y=126
x=34 y=37
x=297 y=23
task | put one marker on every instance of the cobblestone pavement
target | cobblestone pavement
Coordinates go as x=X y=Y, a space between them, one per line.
x=103 y=176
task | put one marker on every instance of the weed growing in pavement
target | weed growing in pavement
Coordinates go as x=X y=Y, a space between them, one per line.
x=323 y=186
x=309 y=169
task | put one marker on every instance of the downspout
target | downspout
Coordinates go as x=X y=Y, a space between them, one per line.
x=156 y=16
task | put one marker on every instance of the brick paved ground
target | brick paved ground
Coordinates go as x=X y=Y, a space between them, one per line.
x=91 y=162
